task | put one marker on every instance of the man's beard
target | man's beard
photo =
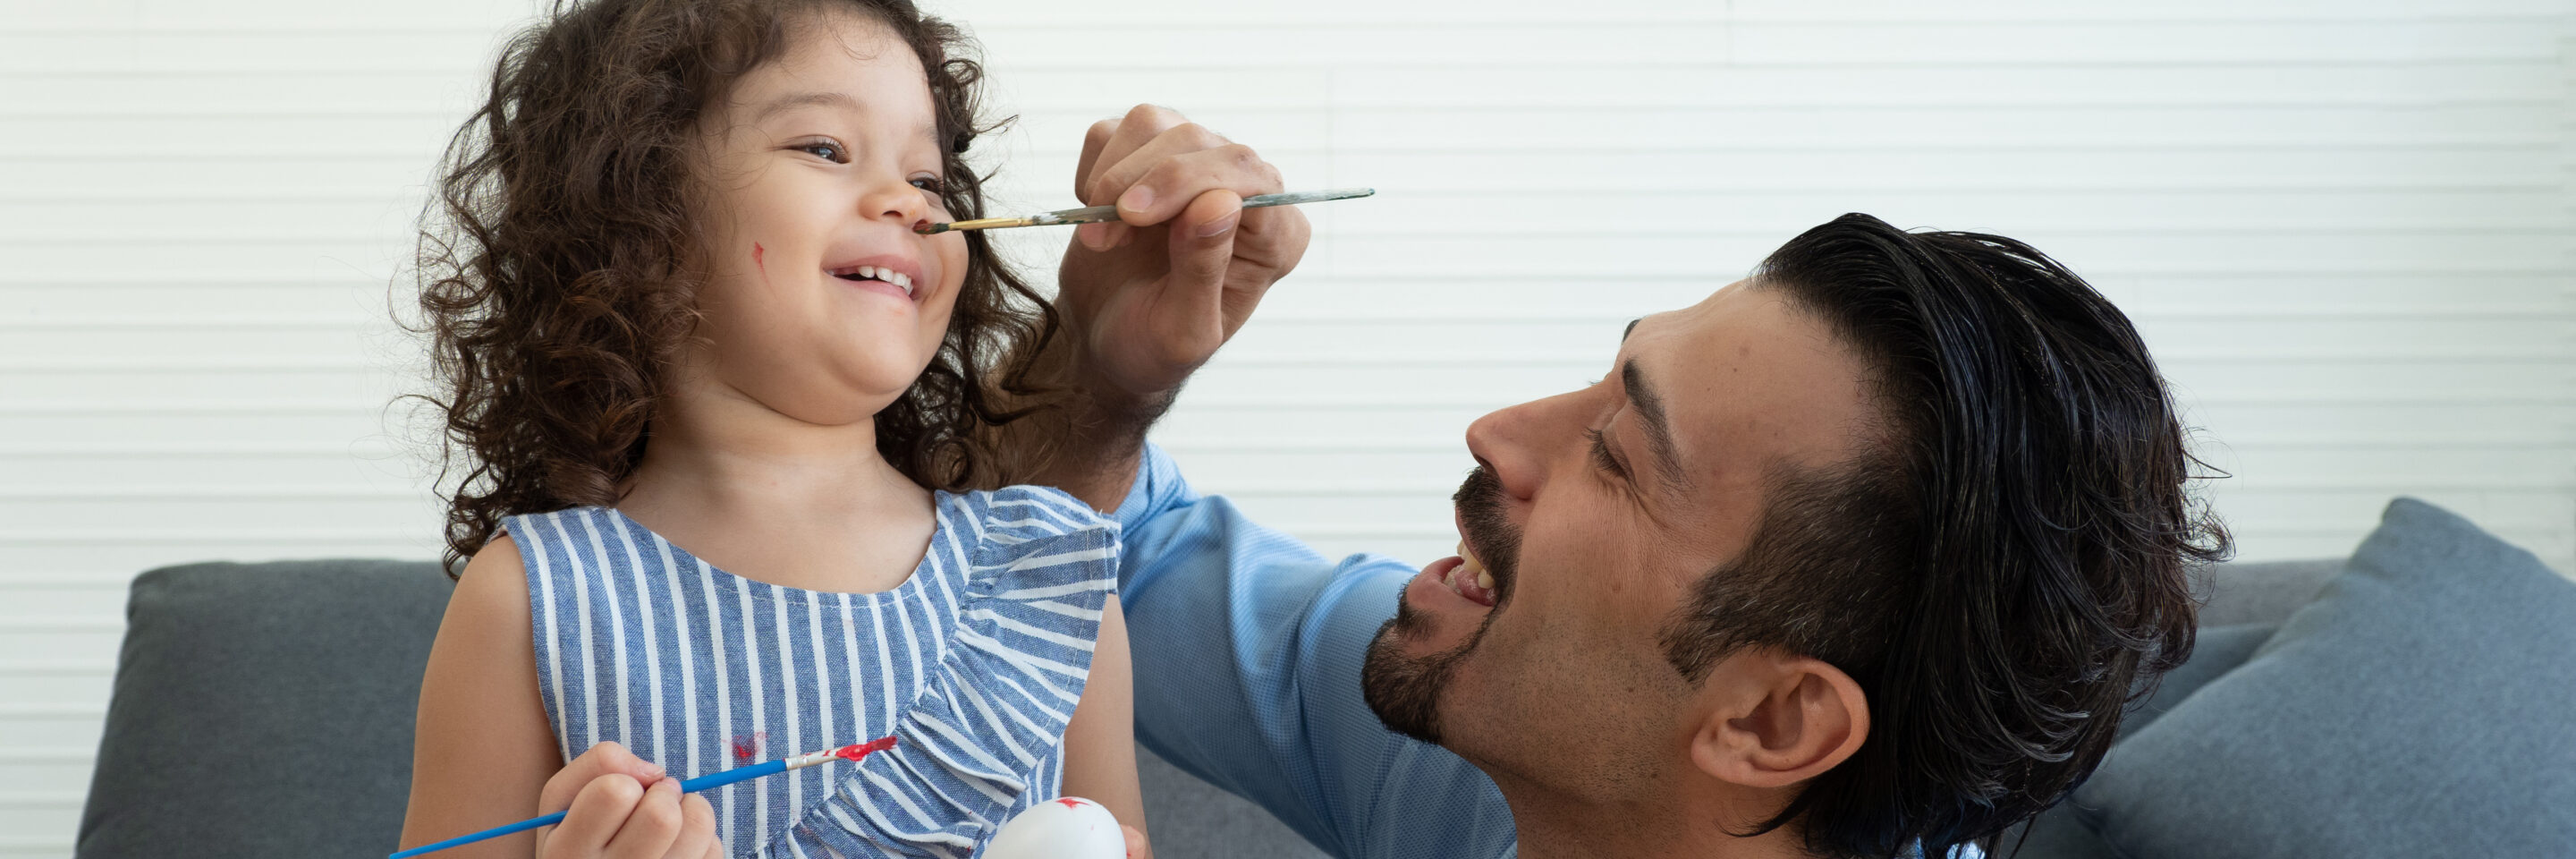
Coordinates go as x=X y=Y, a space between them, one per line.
x=1405 y=691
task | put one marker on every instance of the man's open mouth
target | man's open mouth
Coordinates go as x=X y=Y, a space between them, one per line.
x=1469 y=578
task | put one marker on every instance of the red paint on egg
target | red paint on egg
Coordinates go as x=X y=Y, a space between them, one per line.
x=1070 y=802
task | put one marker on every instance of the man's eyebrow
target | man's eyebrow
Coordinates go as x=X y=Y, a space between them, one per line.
x=1659 y=431
x=1631 y=329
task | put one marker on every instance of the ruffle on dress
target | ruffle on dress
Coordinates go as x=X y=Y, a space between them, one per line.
x=971 y=747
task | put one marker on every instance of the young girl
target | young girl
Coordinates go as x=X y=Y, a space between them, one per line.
x=714 y=391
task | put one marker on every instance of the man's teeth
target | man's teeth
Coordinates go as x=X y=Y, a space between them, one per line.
x=1473 y=567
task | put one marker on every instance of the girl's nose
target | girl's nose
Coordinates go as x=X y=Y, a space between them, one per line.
x=900 y=203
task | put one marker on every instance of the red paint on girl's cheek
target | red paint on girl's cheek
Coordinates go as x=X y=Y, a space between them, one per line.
x=756 y=252
x=863 y=749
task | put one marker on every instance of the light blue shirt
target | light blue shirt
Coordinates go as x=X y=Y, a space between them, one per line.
x=1247 y=650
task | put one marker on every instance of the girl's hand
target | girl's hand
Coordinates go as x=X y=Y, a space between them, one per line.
x=619 y=806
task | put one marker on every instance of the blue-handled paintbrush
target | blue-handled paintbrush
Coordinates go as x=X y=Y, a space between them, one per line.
x=849 y=752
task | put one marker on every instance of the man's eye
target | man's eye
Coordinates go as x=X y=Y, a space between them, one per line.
x=1601 y=455
x=827 y=151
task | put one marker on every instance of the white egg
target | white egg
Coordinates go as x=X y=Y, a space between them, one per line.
x=1066 y=828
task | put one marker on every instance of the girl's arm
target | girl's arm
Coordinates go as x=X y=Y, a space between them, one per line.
x=483 y=754
x=1100 y=741
x=481 y=749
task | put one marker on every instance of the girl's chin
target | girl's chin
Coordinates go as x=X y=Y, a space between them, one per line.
x=851 y=393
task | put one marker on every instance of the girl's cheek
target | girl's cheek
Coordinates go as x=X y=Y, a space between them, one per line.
x=950 y=248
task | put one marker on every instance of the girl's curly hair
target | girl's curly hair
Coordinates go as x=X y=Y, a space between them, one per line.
x=563 y=277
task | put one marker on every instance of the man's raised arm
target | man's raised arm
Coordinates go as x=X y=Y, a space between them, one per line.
x=1247 y=644
x=1143 y=306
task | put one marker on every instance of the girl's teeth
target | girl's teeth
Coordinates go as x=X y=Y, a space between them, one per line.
x=901 y=279
x=868 y=271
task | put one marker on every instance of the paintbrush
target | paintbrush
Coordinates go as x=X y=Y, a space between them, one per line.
x=1092 y=214
x=850 y=752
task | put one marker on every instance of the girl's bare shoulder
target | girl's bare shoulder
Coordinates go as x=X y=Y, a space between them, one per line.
x=493 y=589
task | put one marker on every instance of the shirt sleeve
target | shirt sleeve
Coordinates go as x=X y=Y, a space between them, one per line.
x=1247 y=648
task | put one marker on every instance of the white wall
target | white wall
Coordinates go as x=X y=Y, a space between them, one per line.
x=2344 y=227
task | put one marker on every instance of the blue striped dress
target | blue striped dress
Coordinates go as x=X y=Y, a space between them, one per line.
x=974 y=663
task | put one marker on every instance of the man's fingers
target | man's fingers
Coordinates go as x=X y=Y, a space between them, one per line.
x=1140 y=126
x=1169 y=185
x=652 y=826
x=1272 y=237
x=1202 y=244
x=1093 y=141
x=596 y=813
x=1093 y=236
x=1114 y=177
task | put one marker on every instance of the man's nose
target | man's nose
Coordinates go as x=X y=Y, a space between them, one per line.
x=1509 y=443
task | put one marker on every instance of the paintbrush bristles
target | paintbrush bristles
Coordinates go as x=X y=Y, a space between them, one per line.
x=977 y=224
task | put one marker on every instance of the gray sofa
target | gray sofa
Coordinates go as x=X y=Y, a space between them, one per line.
x=266 y=710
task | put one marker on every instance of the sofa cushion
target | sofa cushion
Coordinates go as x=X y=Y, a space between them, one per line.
x=1188 y=817
x=2262 y=591
x=264 y=710
x=2220 y=649
x=2060 y=833
x=2418 y=707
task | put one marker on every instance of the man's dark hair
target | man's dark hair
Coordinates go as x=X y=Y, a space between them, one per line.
x=2002 y=570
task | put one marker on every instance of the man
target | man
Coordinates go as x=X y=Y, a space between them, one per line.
x=1857 y=557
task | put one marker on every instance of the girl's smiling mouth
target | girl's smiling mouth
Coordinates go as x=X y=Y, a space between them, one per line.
x=889 y=273
x=869 y=272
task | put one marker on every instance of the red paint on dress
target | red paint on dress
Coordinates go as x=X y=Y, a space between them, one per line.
x=747 y=746
x=861 y=750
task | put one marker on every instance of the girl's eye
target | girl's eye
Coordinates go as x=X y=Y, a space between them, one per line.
x=825 y=150
x=930 y=185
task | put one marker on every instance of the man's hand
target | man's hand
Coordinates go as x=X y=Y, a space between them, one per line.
x=1149 y=298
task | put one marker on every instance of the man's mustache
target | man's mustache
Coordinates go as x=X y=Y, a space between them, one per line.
x=1489 y=535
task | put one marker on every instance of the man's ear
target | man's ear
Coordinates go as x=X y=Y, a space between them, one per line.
x=1770 y=719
